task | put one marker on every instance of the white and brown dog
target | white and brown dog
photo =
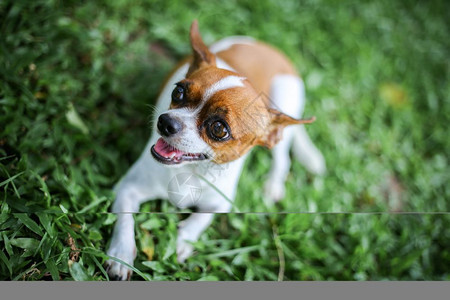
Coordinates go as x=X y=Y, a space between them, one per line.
x=212 y=117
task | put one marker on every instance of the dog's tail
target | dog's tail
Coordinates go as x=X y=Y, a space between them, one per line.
x=306 y=152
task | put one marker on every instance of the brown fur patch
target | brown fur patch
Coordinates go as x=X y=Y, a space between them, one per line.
x=258 y=62
x=246 y=115
x=197 y=83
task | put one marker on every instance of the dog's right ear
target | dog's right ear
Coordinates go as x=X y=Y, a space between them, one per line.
x=201 y=54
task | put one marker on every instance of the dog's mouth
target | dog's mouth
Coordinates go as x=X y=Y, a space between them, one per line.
x=169 y=155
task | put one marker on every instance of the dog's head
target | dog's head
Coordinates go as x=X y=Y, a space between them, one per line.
x=215 y=114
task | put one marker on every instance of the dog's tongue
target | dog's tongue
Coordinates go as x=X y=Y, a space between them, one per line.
x=166 y=150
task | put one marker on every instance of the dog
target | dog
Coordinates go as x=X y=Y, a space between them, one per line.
x=215 y=107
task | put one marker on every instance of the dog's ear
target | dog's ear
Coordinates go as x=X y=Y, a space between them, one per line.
x=278 y=121
x=201 y=54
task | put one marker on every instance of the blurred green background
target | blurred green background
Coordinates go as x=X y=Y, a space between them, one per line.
x=77 y=81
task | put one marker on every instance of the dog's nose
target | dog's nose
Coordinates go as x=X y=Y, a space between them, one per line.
x=168 y=126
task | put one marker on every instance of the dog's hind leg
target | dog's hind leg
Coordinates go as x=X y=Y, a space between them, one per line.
x=288 y=96
x=307 y=153
x=274 y=189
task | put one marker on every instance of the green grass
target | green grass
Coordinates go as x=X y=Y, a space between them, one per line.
x=76 y=85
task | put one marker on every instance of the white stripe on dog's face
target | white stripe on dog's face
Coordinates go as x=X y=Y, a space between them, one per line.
x=223 y=84
x=189 y=140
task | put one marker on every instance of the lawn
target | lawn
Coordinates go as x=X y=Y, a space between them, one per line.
x=77 y=83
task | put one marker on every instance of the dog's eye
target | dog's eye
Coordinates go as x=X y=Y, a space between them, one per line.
x=178 y=94
x=218 y=130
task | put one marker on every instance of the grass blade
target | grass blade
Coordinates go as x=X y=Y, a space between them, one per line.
x=10 y=179
x=233 y=251
x=50 y=264
x=28 y=222
x=106 y=257
x=78 y=272
x=6 y=262
x=46 y=223
x=92 y=205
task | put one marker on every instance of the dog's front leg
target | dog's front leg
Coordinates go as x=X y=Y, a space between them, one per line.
x=123 y=245
x=189 y=231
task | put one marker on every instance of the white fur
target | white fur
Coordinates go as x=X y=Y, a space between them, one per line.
x=223 y=65
x=287 y=95
x=228 y=42
x=307 y=153
x=148 y=179
x=223 y=84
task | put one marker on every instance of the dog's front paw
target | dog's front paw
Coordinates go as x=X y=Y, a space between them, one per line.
x=184 y=249
x=274 y=191
x=125 y=252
